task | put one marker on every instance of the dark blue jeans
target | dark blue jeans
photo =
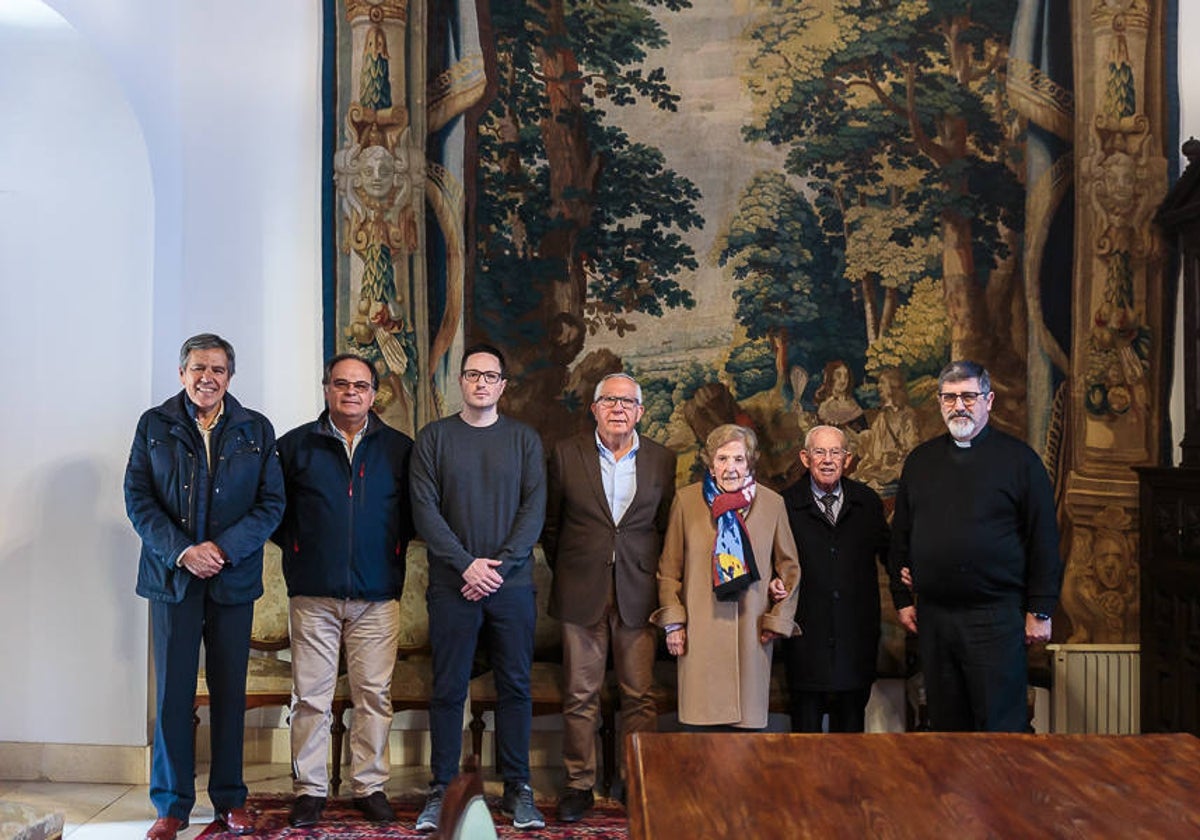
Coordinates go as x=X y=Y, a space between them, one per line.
x=177 y=630
x=506 y=620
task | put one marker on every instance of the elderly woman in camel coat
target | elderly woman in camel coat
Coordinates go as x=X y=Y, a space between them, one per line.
x=727 y=554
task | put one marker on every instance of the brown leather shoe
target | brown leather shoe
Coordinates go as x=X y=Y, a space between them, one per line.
x=236 y=821
x=165 y=828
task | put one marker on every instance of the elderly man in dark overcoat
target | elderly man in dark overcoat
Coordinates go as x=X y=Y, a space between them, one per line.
x=842 y=535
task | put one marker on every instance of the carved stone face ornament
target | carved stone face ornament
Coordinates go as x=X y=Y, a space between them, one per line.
x=1116 y=189
x=381 y=177
x=1109 y=562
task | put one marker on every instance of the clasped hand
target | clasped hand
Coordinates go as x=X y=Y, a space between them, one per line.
x=481 y=578
x=203 y=559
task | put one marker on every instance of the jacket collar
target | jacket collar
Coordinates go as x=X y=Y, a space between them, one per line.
x=800 y=495
x=816 y=492
x=322 y=426
x=176 y=409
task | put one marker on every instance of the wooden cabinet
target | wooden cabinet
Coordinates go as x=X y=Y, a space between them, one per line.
x=1170 y=587
x=1169 y=528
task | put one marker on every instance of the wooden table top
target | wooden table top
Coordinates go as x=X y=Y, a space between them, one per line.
x=913 y=785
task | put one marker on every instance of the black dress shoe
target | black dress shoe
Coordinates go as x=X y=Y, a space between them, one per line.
x=575 y=804
x=306 y=810
x=375 y=807
x=236 y=820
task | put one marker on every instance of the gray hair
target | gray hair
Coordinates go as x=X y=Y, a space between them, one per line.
x=728 y=433
x=206 y=341
x=600 y=384
x=965 y=369
x=809 y=436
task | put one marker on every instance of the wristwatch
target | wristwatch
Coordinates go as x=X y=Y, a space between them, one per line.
x=1041 y=616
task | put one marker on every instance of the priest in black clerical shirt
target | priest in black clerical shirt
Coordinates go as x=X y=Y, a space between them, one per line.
x=975 y=525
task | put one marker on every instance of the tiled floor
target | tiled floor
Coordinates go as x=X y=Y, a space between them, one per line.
x=124 y=812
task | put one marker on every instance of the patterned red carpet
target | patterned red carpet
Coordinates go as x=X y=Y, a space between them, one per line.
x=343 y=822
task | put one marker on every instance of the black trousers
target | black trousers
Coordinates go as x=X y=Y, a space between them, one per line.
x=975 y=666
x=847 y=710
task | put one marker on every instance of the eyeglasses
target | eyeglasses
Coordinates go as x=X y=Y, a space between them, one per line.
x=827 y=453
x=347 y=385
x=968 y=398
x=608 y=401
x=491 y=377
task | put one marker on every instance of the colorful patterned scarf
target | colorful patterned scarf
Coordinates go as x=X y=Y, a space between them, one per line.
x=733 y=566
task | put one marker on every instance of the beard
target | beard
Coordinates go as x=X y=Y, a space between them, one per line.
x=961 y=426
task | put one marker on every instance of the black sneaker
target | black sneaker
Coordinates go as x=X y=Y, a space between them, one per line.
x=575 y=804
x=306 y=810
x=375 y=807
x=432 y=812
x=518 y=803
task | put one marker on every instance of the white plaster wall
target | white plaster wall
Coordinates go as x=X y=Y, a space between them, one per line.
x=228 y=96
x=159 y=176
x=76 y=218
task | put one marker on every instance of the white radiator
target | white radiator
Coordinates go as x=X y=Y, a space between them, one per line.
x=1096 y=689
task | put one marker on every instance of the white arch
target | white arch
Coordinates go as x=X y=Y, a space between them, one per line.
x=76 y=282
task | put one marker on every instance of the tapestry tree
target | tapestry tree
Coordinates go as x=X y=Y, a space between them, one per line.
x=577 y=225
x=855 y=88
x=790 y=288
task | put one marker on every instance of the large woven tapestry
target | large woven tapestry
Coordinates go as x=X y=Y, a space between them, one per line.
x=773 y=212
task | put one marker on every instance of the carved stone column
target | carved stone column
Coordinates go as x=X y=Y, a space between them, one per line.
x=379 y=173
x=1117 y=354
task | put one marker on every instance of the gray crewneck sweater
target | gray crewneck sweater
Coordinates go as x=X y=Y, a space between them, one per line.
x=478 y=491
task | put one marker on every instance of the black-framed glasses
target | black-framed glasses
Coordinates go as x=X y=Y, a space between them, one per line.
x=969 y=398
x=608 y=401
x=822 y=454
x=491 y=377
x=346 y=385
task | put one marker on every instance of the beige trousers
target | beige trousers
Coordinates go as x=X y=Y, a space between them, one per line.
x=370 y=631
x=585 y=652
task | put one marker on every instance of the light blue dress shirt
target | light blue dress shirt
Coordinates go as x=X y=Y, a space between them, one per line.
x=618 y=477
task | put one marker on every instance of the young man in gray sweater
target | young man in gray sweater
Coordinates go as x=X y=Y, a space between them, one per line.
x=479 y=500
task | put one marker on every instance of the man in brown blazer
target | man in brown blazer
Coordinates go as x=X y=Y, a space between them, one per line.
x=609 y=494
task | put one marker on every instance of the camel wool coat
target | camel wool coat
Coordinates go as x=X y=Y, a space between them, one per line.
x=725 y=671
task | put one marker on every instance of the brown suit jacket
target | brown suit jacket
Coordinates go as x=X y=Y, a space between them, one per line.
x=582 y=542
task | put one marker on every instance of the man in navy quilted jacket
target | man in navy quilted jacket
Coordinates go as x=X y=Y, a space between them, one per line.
x=204 y=491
